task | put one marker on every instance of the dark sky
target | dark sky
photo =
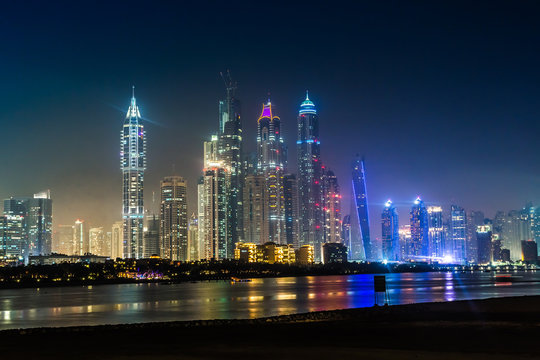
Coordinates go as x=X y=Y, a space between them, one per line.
x=440 y=97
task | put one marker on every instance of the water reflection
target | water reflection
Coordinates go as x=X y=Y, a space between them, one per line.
x=112 y=304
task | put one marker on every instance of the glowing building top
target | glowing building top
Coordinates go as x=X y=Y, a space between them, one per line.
x=307 y=106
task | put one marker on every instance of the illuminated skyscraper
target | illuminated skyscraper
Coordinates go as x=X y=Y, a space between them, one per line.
x=63 y=240
x=12 y=235
x=290 y=191
x=133 y=164
x=96 y=242
x=458 y=234
x=215 y=212
x=404 y=241
x=474 y=219
x=435 y=232
x=193 y=238
x=151 y=237
x=310 y=186
x=271 y=164
x=361 y=246
x=419 y=243
x=174 y=219
x=117 y=240
x=346 y=233
x=255 y=218
x=81 y=244
x=390 y=232
x=230 y=153
x=332 y=208
x=483 y=239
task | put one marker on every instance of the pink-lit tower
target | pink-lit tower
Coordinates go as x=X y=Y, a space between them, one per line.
x=270 y=164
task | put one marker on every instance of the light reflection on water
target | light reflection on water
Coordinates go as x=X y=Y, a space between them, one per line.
x=130 y=303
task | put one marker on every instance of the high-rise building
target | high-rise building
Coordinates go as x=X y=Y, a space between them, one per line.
x=271 y=164
x=151 y=236
x=404 y=242
x=63 y=240
x=174 y=219
x=133 y=164
x=332 y=208
x=96 y=242
x=36 y=214
x=290 y=194
x=474 y=219
x=117 y=240
x=310 y=182
x=215 y=212
x=193 y=238
x=483 y=240
x=517 y=228
x=81 y=245
x=361 y=246
x=419 y=243
x=255 y=216
x=458 y=235
x=230 y=153
x=346 y=233
x=334 y=253
x=12 y=236
x=435 y=232
x=201 y=224
x=529 y=251
x=390 y=232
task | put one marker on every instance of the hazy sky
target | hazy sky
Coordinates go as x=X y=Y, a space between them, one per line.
x=440 y=97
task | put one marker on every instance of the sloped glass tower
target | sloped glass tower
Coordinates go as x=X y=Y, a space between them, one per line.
x=361 y=247
x=133 y=164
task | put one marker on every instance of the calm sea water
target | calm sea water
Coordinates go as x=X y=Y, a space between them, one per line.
x=133 y=303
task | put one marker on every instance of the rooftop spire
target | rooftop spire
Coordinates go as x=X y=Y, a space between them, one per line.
x=133 y=91
x=307 y=95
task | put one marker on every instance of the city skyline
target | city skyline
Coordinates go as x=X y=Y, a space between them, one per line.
x=357 y=112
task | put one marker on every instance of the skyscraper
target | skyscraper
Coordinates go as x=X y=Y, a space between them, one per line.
x=12 y=236
x=390 y=232
x=174 y=220
x=271 y=164
x=361 y=246
x=332 y=208
x=474 y=219
x=483 y=238
x=96 y=242
x=310 y=186
x=419 y=242
x=133 y=164
x=117 y=240
x=230 y=152
x=290 y=194
x=63 y=240
x=81 y=244
x=151 y=236
x=193 y=238
x=458 y=234
x=215 y=212
x=435 y=232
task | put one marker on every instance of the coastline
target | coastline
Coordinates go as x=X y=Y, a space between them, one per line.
x=495 y=328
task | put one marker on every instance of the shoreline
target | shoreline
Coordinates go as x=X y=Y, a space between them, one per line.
x=495 y=328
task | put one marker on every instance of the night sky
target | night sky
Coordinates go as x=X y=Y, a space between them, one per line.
x=440 y=97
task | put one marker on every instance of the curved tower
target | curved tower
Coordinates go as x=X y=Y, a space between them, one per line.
x=133 y=164
x=361 y=247
x=310 y=182
x=270 y=164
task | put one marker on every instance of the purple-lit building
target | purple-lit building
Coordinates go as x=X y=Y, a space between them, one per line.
x=419 y=243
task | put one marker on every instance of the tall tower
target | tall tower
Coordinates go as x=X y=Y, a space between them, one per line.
x=215 y=211
x=310 y=191
x=174 y=219
x=332 y=208
x=390 y=232
x=133 y=164
x=229 y=151
x=419 y=243
x=435 y=231
x=290 y=190
x=270 y=164
x=361 y=248
x=458 y=234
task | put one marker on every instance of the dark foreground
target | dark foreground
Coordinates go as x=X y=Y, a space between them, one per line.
x=504 y=328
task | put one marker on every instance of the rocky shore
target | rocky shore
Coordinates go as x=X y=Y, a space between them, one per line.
x=504 y=328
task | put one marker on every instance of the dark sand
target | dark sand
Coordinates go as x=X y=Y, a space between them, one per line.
x=505 y=328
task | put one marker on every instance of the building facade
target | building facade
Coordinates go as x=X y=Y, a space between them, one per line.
x=361 y=246
x=390 y=232
x=174 y=219
x=458 y=234
x=419 y=243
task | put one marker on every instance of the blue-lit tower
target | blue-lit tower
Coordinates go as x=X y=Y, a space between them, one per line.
x=457 y=248
x=310 y=182
x=419 y=242
x=133 y=164
x=361 y=247
x=390 y=232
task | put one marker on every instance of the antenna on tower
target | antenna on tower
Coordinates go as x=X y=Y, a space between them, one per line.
x=230 y=84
